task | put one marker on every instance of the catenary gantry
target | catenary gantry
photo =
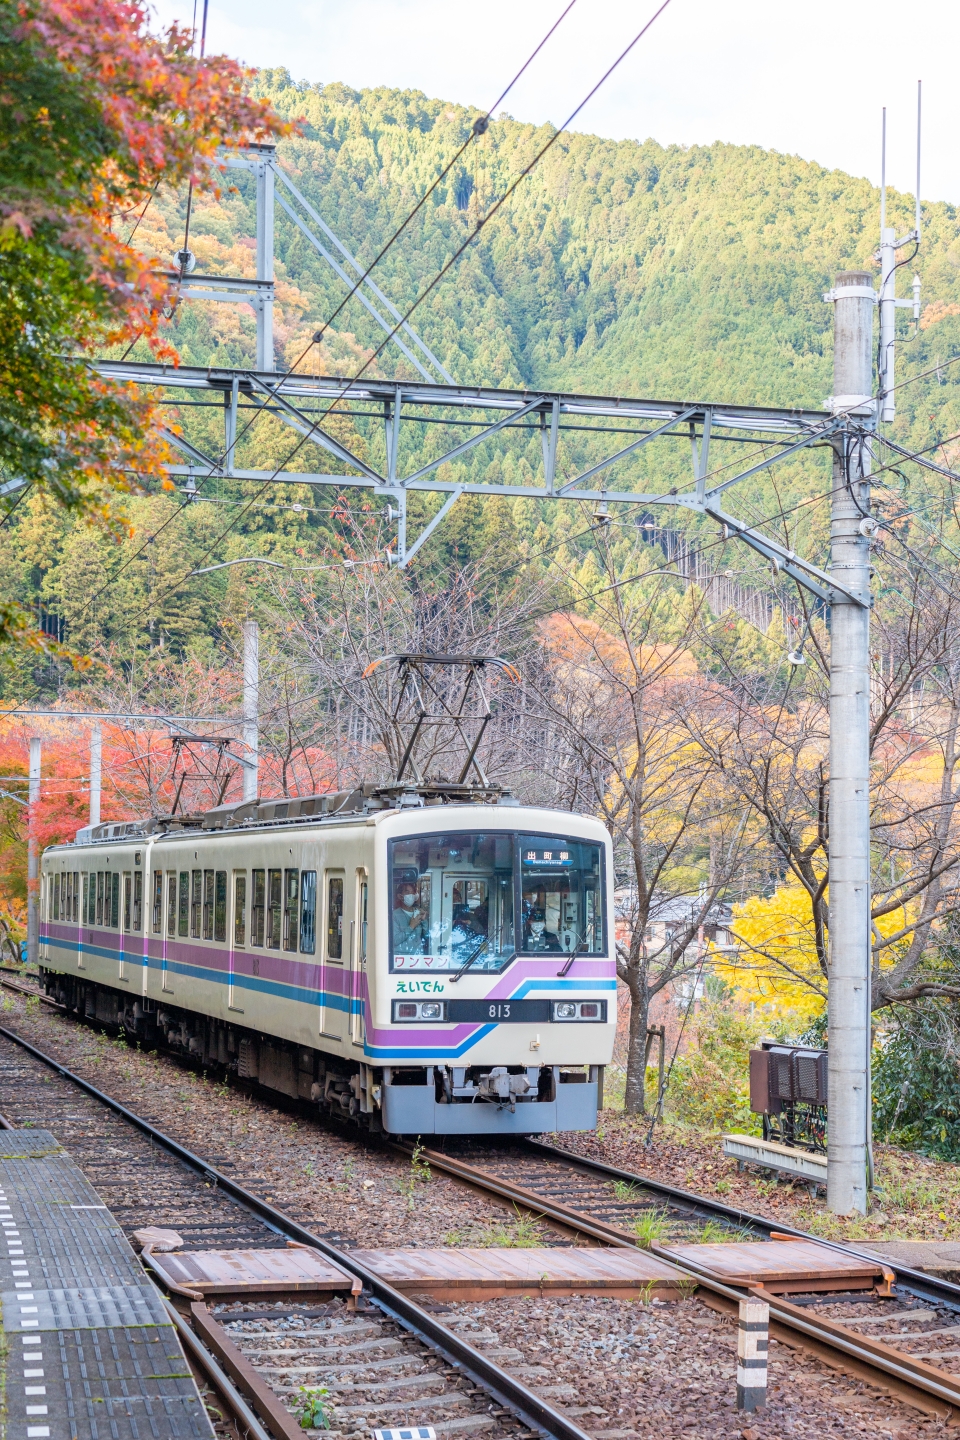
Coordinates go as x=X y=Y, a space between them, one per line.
x=611 y=430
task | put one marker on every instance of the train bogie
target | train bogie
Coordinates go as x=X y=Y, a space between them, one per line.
x=432 y=969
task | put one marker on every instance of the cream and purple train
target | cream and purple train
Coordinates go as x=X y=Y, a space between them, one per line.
x=428 y=968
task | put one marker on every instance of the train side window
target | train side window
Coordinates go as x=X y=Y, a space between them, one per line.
x=196 y=886
x=127 y=902
x=71 y=895
x=275 y=908
x=99 y=897
x=208 y=904
x=291 y=908
x=114 y=886
x=183 y=903
x=240 y=910
x=258 y=918
x=220 y=906
x=137 y=901
x=171 y=902
x=335 y=917
x=308 y=912
x=84 y=879
x=55 y=907
x=157 y=901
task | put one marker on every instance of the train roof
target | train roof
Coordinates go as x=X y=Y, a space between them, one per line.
x=363 y=803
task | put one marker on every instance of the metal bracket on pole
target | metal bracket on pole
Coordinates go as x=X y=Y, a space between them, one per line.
x=811 y=577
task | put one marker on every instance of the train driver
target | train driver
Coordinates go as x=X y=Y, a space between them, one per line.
x=408 y=918
x=539 y=938
x=470 y=928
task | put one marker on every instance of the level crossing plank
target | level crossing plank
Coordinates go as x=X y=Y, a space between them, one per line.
x=483 y=1273
x=782 y=1265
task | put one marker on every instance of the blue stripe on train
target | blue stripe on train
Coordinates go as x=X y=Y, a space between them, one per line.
x=330 y=1001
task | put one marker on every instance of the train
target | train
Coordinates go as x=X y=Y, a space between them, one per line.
x=421 y=964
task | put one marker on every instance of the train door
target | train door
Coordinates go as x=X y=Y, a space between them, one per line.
x=170 y=934
x=138 y=946
x=358 y=963
x=85 y=918
x=126 y=924
x=335 y=972
x=238 y=935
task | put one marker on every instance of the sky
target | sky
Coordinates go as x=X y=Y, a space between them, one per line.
x=808 y=79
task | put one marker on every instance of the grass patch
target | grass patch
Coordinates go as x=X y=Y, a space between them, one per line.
x=651 y=1226
x=520 y=1232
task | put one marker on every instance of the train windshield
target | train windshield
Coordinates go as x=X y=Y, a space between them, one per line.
x=473 y=901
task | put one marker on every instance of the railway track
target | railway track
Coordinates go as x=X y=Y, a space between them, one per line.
x=604 y=1204
x=578 y=1195
x=411 y=1366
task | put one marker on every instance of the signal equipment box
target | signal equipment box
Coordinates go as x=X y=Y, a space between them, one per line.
x=788 y=1087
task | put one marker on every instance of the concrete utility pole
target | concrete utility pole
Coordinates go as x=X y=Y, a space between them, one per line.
x=850 y=936
x=251 y=708
x=33 y=856
x=96 y=773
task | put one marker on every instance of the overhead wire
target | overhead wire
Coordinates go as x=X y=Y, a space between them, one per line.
x=494 y=209
x=22 y=496
x=480 y=126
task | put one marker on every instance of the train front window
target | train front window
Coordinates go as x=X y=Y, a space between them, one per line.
x=561 y=895
x=452 y=902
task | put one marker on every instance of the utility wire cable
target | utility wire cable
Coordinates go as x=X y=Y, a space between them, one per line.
x=22 y=496
x=494 y=209
x=480 y=127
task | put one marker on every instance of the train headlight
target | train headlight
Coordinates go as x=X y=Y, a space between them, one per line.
x=405 y=1011
x=595 y=1010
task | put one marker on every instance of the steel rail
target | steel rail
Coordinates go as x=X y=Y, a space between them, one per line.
x=531 y=1409
x=923 y=1386
x=925 y=1287
x=200 y=1356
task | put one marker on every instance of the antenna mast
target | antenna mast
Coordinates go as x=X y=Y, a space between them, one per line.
x=887 y=255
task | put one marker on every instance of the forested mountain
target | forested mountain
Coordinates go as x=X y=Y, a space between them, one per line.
x=616 y=267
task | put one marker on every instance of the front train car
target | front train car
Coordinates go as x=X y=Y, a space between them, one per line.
x=495 y=1004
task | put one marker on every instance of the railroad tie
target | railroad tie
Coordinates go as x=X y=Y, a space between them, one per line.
x=752 y=1344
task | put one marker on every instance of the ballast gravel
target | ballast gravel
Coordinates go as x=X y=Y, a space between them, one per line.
x=624 y=1369
x=620 y=1368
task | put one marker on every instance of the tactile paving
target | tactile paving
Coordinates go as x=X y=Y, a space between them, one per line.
x=91 y=1353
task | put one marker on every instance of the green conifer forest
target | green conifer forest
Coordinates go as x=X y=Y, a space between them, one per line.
x=629 y=268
